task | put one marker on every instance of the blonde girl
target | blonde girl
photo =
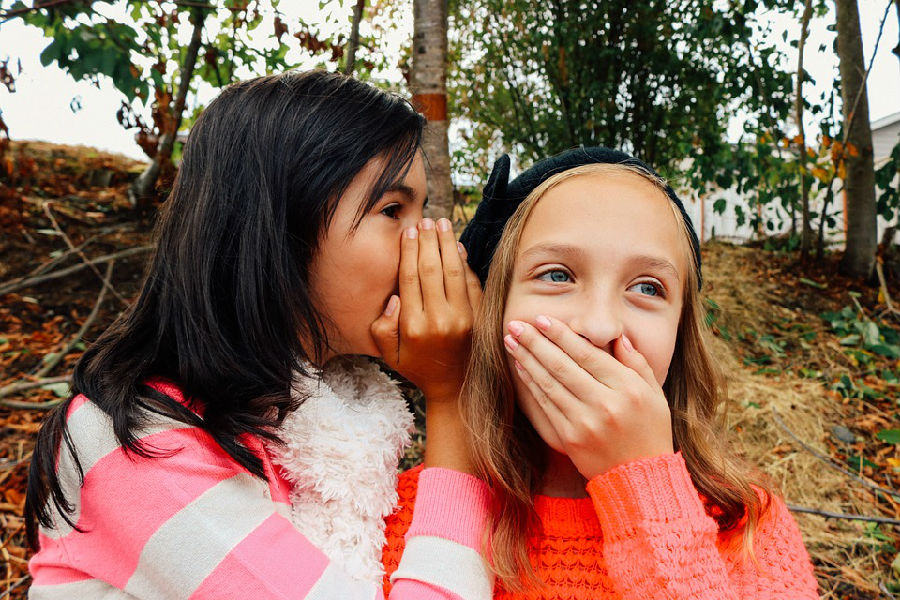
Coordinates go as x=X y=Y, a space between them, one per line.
x=592 y=399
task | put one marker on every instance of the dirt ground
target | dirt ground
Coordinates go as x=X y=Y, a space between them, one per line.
x=783 y=364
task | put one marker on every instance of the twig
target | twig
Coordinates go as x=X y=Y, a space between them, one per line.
x=106 y=283
x=21 y=386
x=25 y=282
x=51 y=364
x=834 y=515
x=14 y=586
x=22 y=405
x=16 y=463
x=830 y=462
x=884 y=288
x=41 y=269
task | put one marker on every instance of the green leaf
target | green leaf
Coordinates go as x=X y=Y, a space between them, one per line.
x=850 y=340
x=855 y=463
x=60 y=390
x=891 y=436
x=888 y=350
x=53 y=51
x=815 y=284
x=869 y=332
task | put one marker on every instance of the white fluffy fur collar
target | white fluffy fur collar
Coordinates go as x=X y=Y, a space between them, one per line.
x=341 y=451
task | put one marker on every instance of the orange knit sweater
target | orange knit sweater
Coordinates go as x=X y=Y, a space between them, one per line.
x=644 y=534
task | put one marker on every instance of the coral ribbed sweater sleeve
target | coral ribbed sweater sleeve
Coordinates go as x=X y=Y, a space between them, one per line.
x=660 y=543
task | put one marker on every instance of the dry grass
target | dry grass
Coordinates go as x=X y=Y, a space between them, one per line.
x=846 y=559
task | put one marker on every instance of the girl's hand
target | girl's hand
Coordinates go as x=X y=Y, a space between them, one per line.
x=607 y=410
x=425 y=334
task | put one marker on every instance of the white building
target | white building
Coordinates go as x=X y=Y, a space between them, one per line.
x=885 y=135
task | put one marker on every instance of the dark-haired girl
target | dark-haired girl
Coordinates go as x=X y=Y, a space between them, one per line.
x=298 y=201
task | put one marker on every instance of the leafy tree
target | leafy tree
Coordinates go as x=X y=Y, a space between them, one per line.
x=159 y=53
x=658 y=78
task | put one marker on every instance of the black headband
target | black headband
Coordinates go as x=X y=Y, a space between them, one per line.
x=501 y=197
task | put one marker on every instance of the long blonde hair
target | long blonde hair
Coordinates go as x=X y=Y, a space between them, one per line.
x=510 y=455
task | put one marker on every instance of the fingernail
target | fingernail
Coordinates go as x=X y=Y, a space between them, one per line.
x=443 y=224
x=461 y=248
x=411 y=233
x=542 y=322
x=516 y=328
x=521 y=372
x=427 y=224
x=391 y=306
x=510 y=343
x=627 y=343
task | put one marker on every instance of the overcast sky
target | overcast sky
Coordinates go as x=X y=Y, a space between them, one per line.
x=41 y=107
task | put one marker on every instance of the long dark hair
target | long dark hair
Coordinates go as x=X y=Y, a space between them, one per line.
x=226 y=299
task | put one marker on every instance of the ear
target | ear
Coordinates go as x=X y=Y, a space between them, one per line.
x=483 y=231
x=494 y=194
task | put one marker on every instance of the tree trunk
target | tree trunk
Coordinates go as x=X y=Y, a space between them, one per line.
x=862 y=227
x=353 y=44
x=806 y=228
x=143 y=187
x=429 y=86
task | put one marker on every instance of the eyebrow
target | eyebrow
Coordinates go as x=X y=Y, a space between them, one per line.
x=573 y=252
x=653 y=262
x=556 y=249
x=404 y=189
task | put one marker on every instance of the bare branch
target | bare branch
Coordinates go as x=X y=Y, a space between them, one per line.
x=830 y=462
x=25 y=282
x=834 y=515
x=22 y=386
x=51 y=364
x=106 y=283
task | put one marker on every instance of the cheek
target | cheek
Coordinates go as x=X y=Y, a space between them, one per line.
x=658 y=348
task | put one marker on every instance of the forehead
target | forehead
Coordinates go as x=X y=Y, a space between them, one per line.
x=612 y=213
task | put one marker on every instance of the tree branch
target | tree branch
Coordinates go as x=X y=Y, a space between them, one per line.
x=830 y=462
x=25 y=282
x=106 y=283
x=834 y=515
x=353 y=44
x=22 y=386
x=51 y=364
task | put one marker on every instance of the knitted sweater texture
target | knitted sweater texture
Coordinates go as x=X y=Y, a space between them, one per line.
x=644 y=534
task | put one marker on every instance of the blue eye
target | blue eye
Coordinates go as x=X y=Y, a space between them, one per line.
x=555 y=276
x=647 y=288
x=391 y=211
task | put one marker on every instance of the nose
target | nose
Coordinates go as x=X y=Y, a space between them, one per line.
x=599 y=320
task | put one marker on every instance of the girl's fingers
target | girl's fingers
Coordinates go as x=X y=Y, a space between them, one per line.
x=554 y=399
x=410 y=289
x=431 y=271
x=452 y=262
x=385 y=331
x=626 y=354
x=599 y=364
x=559 y=365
